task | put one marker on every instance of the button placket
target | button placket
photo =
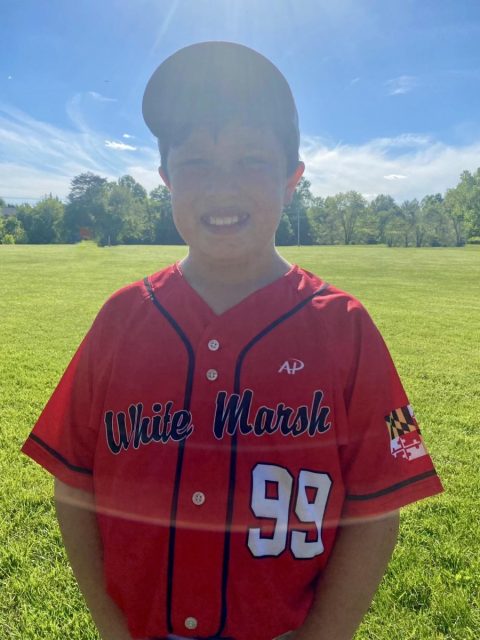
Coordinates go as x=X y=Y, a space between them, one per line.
x=196 y=501
x=213 y=345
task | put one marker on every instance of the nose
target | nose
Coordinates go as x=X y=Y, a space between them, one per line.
x=223 y=181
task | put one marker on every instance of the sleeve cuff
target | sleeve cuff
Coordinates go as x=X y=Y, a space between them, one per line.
x=392 y=497
x=55 y=463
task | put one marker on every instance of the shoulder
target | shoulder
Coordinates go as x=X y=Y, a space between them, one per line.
x=340 y=319
x=345 y=329
x=129 y=303
x=333 y=303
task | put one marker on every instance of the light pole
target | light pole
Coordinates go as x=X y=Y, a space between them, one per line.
x=298 y=226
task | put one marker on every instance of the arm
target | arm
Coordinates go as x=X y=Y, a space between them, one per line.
x=348 y=583
x=78 y=524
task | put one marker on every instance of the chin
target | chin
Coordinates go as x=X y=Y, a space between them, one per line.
x=228 y=255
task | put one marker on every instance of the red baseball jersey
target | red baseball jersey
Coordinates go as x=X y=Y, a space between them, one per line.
x=224 y=450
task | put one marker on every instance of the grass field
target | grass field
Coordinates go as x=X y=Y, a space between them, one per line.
x=426 y=302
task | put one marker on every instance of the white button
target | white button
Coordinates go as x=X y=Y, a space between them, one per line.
x=191 y=623
x=198 y=498
x=212 y=374
x=213 y=345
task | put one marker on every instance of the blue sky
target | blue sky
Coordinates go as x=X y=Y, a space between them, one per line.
x=388 y=91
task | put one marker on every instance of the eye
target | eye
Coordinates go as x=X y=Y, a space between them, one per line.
x=255 y=161
x=194 y=162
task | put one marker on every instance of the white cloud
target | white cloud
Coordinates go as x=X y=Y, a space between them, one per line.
x=127 y=135
x=100 y=98
x=30 y=183
x=403 y=141
x=147 y=174
x=120 y=146
x=387 y=165
x=38 y=158
x=400 y=85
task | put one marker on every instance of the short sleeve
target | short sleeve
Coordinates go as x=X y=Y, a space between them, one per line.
x=64 y=438
x=385 y=462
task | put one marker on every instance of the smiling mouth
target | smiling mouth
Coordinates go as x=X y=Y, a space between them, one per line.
x=225 y=221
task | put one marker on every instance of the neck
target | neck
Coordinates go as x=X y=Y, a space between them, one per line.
x=266 y=268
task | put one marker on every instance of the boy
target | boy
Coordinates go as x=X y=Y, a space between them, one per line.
x=231 y=442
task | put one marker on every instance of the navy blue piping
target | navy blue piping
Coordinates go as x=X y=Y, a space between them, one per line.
x=58 y=456
x=393 y=487
x=233 y=451
x=180 y=455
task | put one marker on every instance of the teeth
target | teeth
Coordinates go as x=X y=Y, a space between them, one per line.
x=223 y=221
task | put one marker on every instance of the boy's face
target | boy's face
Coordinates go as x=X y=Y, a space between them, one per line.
x=228 y=192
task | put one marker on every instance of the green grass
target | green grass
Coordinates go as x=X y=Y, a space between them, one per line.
x=426 y=302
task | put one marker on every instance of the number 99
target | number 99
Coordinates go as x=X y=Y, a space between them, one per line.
x=278 y=508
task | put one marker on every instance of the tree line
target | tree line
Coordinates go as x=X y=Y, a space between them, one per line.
x=122 y=212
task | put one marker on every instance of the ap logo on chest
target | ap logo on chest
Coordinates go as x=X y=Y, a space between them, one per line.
x=291 y=366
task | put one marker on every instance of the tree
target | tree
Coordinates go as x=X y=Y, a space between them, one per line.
x=284 y=234
x=438 y=227
x=45 y=224
x=121 y=212
x=25 y=216
x=472 y=215
x=403 y=224
x=323 y=221
x=134 y=187
x=296 y=212
x=86 y=204
x=109 y=221
x=348 y=208
x=411 y=213
x=396 y=230
x=462 y=205
x=381 y=211
x=455 y=208
x=123 y=218
x=160 y=217
x=12 y=231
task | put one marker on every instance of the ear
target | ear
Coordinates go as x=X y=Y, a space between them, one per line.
x=292 y=183
x=164 y=176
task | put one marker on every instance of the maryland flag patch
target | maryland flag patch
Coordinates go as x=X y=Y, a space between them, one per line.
x=405 y=438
